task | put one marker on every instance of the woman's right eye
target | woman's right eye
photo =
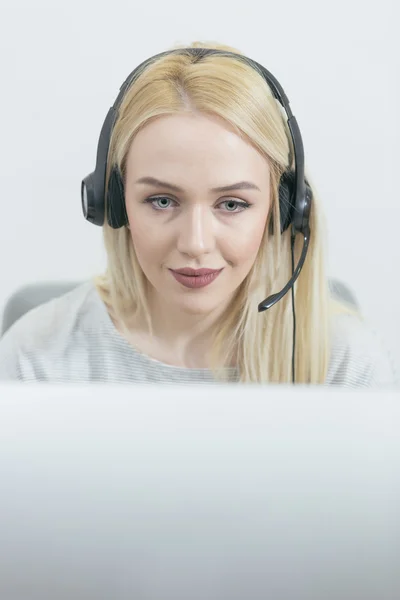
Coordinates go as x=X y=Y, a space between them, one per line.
x=161 y=200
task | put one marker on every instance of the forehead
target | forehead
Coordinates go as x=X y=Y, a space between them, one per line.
x=192 y=142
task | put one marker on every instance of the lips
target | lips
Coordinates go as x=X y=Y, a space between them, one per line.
x=195 y=278
x=195 y=272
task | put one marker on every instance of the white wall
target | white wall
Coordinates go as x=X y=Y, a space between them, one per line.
x=63 y=63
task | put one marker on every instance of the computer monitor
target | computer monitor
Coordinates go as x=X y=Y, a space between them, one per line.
x=208 y=492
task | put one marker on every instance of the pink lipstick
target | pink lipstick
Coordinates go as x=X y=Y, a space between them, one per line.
x=195 y=278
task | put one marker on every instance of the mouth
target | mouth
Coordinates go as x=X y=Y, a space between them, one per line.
x=195 y=272
x=195 y=278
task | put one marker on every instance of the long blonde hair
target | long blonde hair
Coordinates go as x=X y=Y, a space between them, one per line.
x=259 y=343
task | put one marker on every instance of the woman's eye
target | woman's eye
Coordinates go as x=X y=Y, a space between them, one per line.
x=232 y=204
x=162 y=202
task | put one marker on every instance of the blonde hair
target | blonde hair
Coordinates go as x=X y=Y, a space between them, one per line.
x=259 y=344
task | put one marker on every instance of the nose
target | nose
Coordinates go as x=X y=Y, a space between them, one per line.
x=196 y=234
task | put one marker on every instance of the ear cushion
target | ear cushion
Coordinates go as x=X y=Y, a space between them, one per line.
x=116 y=210
x=286 y=199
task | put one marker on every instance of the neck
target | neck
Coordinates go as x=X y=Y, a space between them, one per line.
x=179 y=337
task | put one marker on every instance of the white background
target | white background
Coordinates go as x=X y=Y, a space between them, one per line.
x=61 y=67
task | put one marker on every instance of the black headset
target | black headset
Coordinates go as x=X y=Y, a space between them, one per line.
x=295 y=194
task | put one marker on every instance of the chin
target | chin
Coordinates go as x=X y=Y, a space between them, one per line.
x=197 y=306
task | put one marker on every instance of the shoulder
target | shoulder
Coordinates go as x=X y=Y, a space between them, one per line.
x=46 y=328
x=359 y=356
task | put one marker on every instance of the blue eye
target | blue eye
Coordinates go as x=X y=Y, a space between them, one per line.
x=242 y=205
x=158 y=199
x=162 y=201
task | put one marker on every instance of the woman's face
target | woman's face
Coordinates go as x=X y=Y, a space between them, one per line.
x=183 y=219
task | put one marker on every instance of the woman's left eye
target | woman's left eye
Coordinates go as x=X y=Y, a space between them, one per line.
x=231 y=204
x=241 y=205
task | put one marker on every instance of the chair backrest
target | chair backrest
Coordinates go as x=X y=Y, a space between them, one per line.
x=30 y=296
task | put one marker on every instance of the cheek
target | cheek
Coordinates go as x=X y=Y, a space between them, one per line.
x=145 y=231
x=253 y=243
x=146 y=246
x=243 y=248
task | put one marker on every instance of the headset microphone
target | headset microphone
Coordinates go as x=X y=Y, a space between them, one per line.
x=274 y=298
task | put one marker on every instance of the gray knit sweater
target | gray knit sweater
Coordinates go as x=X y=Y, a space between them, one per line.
x=73 y=339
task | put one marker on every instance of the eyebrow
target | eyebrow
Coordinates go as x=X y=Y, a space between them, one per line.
x=241 y=185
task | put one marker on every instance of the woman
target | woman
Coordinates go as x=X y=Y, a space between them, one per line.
x=195 y=156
